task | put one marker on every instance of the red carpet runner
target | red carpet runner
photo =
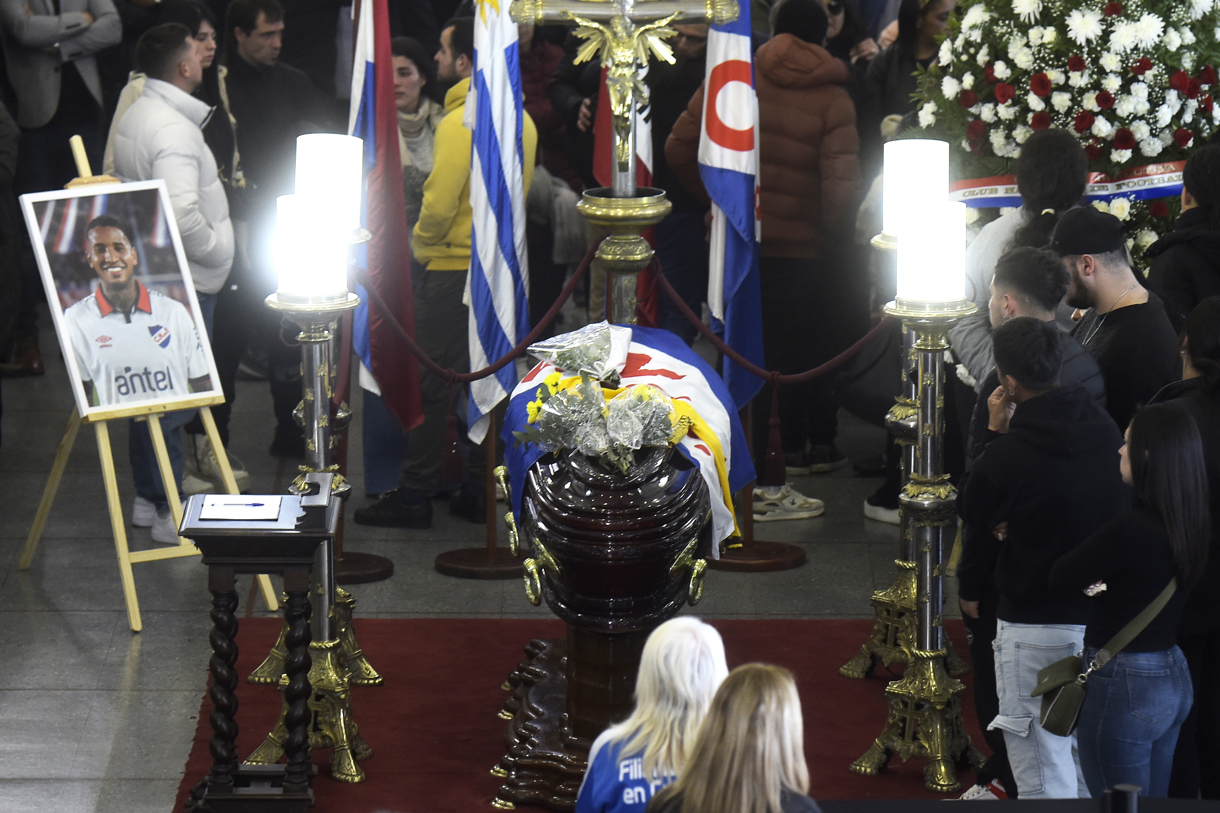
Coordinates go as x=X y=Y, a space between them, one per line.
x=435 y=735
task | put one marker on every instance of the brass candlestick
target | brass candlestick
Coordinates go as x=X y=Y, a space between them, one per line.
x=925 y=718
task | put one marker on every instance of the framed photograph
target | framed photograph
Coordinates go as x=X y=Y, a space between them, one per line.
x=121 y=295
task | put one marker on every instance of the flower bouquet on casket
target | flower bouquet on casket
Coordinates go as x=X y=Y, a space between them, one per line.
x=1135 y=81
x=581 y=407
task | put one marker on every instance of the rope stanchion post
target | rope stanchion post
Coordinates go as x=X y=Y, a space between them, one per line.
x=489 y=562
x=756 y=555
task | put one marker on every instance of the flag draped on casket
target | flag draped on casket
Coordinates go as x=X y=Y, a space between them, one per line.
x=498 y=284
x=659 y=358
x=386 y=258
x=728 y=165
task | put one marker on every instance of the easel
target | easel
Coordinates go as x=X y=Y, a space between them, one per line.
x=151 y=413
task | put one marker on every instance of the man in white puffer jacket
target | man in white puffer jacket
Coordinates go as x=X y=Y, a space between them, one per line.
x=161 y=136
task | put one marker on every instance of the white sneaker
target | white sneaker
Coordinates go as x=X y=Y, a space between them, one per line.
x=991 y=792
x=193 y=484
x=776 y=504
x=164 y=531
x=143 y=512
x=208 y=464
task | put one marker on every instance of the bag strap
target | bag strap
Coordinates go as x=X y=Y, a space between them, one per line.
x=1134 y=627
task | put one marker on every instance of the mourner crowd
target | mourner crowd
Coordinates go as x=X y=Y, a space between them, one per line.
x=1084 y=396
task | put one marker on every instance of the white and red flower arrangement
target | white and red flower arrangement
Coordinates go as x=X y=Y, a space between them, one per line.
x=1135 y=81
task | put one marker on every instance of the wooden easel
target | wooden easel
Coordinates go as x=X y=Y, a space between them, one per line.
x=127 y=557
x=151 y=413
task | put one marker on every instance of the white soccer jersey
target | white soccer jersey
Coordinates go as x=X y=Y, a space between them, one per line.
x=147 y=357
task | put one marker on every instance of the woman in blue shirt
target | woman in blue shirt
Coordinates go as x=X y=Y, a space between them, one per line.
x=680 y=669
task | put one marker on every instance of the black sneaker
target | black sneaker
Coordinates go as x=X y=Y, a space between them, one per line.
x=823 y=459
x=400 y=508
x=470 y=503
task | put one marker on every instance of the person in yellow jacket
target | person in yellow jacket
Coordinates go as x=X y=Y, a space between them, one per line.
x=441 y=248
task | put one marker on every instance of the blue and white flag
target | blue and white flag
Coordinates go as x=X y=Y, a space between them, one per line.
x=496 y=289
x=728 y=164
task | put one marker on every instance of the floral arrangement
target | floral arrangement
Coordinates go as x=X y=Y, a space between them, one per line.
x=574 y=413
x=1134 y=80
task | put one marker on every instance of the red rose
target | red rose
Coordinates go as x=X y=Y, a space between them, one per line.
x=1124 y=139
x=976 y=129
x=1076 y=63
x=1142 y=66
x=1194 y=89
x=1040 y=120
x=1208 y=75
x=1092 y=152
x=1183 y=137
x=1158 y=209
x=1004 y=93
x=1112 y=9
x=1084 y=121
x=1205 y=104
x=1105 y=100
x=1040 y=84
x=989 y=75
x=1180 y=81
x=968 y=98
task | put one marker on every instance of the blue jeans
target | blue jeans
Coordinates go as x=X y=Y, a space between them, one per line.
x=1044 y=766
x=1129 y=722
x=144 y=471
x=385 y=446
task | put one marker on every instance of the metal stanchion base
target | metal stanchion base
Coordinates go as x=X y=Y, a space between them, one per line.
x=760 y=557
x=362 y=568
x=479 y=563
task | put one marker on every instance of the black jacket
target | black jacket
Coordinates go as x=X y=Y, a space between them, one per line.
x=1078 y=368
x=1203 y=403
x=272 y=105
x=1185 y=265
x=1054 y=479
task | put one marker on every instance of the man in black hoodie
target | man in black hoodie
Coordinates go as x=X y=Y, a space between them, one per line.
x=1028 y=282
x=1186 y=262
x=1046 y=480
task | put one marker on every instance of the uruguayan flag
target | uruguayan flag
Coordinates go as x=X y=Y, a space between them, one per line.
x=499 y=272
x=728 y=164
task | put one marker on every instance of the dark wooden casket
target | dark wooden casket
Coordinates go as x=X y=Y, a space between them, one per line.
x=614 y=555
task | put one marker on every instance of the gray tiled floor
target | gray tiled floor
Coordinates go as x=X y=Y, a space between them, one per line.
x=94 y=718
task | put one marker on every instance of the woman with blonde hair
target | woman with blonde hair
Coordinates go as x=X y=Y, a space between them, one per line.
x=680 y=669
x=749 y=756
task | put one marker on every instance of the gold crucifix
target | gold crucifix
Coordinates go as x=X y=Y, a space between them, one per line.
x=623 y=33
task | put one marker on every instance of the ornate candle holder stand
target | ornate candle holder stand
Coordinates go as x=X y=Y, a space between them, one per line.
x=925 y=708
x=613 y=561
x=337 y=659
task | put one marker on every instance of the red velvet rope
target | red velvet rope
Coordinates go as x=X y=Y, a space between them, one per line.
x=452 y=377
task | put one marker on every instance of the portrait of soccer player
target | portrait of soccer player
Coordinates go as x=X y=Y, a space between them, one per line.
x=131 y=344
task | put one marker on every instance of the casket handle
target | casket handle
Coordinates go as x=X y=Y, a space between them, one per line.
x=514 y=542
x=533 y=582
x=501 y=475
x=694 y=593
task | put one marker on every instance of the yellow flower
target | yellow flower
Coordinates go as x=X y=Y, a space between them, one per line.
x=552 y=381
x=532 y=409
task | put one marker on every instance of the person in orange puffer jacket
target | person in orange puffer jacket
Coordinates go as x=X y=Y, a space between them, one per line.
x=813 y=305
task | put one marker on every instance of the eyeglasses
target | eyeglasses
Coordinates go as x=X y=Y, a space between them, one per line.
x=834 y=7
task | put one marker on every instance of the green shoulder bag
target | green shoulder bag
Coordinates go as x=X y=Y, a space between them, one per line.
x=1062 y=684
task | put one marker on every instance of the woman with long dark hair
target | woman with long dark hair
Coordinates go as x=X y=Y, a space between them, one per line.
x=1137 y=701
x=1051 y=175
x=1196 y=762
x=1186 y=262
x=891 y=75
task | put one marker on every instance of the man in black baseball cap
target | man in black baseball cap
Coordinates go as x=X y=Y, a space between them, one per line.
x=1124 y=325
